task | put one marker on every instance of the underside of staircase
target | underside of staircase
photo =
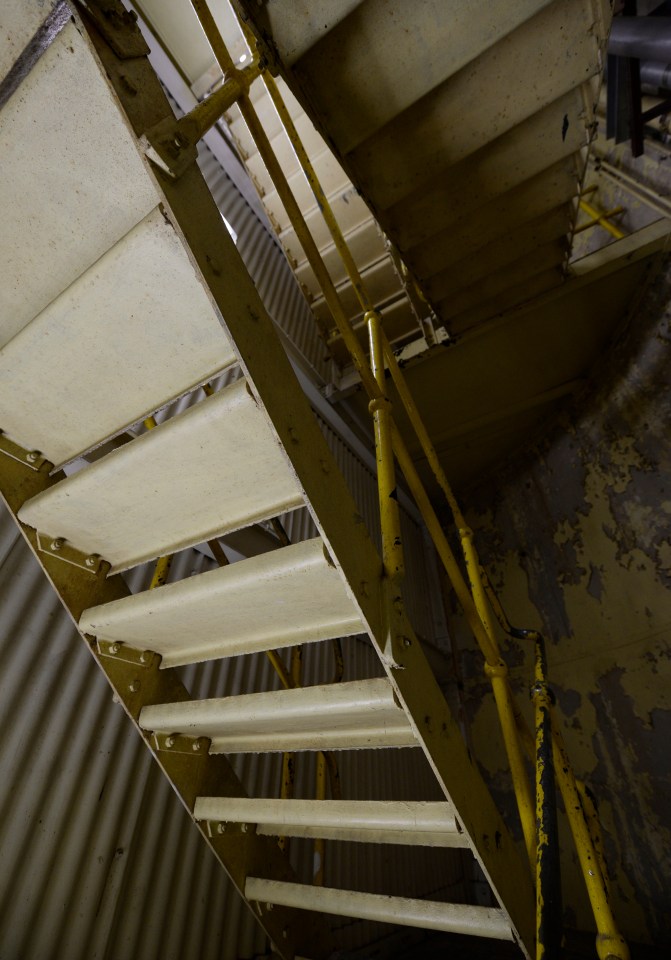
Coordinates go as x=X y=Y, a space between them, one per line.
x=127 y=292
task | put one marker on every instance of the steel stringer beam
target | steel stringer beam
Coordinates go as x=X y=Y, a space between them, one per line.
x=194 y=214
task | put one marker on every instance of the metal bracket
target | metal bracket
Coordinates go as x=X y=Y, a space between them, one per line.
x=30 y=458
x=118 y=26
x=180 y=743
x=121 y=651
x=92 y=563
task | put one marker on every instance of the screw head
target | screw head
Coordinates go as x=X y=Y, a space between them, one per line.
x=113 y=648
x=91 y=561
x=169 y=742
x=32 y=456
x=57 y=544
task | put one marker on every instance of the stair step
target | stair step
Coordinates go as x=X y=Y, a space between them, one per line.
x=287 y=596
x=344 y=716
x=67 y=202
x=212 y=469
x=417 y=823
x=460 y=918
x=132 y=333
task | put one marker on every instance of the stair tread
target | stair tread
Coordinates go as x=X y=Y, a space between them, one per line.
x=57 y=221
x=418 y=823
x=287 y=596
x=133 y=332
x=216 y=467
x=353 y=715
x=460 y=918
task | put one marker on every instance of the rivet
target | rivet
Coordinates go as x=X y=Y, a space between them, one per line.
x=33 y=456
x=407 y=641
x=170 y=742
x=113 y=648
x=57 y=543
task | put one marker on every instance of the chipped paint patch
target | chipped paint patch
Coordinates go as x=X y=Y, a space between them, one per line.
x=576 y=535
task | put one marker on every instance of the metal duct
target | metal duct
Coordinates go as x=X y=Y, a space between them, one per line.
x=645 y=38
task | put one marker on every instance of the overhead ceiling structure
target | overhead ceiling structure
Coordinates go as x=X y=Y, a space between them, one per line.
x=468 y=138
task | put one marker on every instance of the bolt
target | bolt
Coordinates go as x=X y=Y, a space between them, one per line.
x=113 y=648
x=92 y=560
x=169 y=742
x=33 y=456
x=57 y=544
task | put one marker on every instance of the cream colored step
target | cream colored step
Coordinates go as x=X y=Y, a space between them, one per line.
x=460 y=918
x=343 y=716
x=136 y=330
x=287 y=596
x=60 y=216
x=215 y=468
x=417 y=823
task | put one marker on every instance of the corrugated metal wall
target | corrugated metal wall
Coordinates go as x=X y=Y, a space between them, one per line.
x=99 y=860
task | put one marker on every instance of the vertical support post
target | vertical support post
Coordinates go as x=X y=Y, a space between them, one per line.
x=610 y=944
x=497 y=671
x=392 y=547
x=548 y=875
x=319 y=848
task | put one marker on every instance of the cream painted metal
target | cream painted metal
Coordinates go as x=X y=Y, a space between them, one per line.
x=360 y=714
x=367 y=821
x=56 y=223
x=449 y=917
x=436 y=135
x=215 y=468
x=133 y=332
x=288 y=596
x=251 y=451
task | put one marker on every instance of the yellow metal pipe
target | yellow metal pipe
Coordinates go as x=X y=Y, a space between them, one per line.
x=602 y=219
x=390 y=521
x=161 y=572
x=319 y=847
x=610 y=944
x=422 y=433
x=322 y=201
x=498 y=675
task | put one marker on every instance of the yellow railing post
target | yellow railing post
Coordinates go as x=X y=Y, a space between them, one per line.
x=610 y=944
x=390 y=521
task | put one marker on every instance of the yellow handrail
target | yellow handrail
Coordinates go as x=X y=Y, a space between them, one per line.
x=475 y=601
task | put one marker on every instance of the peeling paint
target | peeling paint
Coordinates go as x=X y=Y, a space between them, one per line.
x=576 y=535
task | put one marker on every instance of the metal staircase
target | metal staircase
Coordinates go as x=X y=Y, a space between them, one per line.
x=122 y=291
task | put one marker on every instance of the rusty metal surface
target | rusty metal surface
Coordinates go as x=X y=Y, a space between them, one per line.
x=577 y=535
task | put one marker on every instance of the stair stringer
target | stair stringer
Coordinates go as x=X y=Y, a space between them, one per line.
x=136 y=680
x=192 y=211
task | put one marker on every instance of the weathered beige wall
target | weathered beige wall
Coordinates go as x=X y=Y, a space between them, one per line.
x=577 y=536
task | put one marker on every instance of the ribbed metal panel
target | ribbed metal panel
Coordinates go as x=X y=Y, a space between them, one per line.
x=99 y=859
